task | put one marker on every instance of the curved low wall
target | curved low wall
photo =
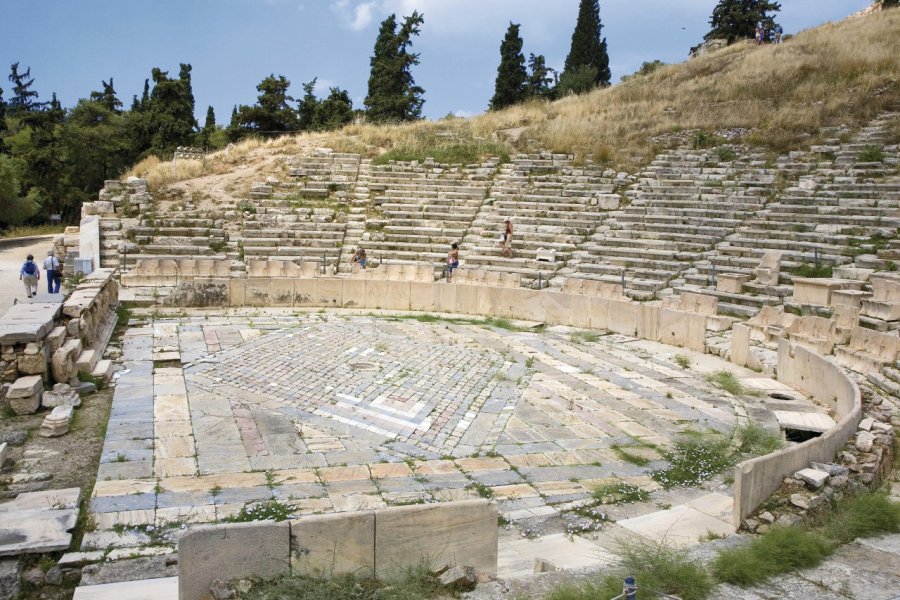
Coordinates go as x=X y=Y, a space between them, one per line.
x=755 y=479
x=816 y=376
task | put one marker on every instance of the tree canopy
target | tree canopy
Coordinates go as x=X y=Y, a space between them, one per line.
x=588 y=48
x=393 y=94
x=510 y=87
x=734 y=20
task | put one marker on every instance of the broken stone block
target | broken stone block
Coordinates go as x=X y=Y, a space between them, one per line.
x=61 y=395
x=25 y=394
x=812 y=477
x=866 y=424
x=57 y=422
x=542 y=565
x=459 y=576
x=831 y=469
x=864 y=441
x=3 y=453
x=32 y=364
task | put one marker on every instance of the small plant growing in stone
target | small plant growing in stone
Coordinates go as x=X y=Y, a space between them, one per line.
x=215 y=491
x=270 y=510
x=682 y=360
x=482 y=490
x=620 y=492
x=727 y=381
x=871 y=154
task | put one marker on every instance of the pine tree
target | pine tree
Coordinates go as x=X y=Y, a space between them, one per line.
x=44 y=173
x=271 y=113
x=541 y=78
x=234 y=132
x=588 y=48
x=171 y=110
x=509 y=87
x=734 y=20
x=108 y=97
x=393 y=94
x=24 y=99
x=336 y=110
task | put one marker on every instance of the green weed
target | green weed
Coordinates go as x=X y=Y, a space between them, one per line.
x=696 y=458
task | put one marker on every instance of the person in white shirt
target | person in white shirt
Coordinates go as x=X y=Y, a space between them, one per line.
x=54 y=276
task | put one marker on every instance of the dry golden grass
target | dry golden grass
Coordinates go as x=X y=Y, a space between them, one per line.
x=841 y=73
x=837 y=74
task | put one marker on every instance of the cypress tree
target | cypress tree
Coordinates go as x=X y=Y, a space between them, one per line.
x=510 y=87
x=171 y=110
x=209 y=127
x=308 y=107
x=3 y=148
x=588 y=48
x=145 y=98
x=734 y=20
x=393 y=94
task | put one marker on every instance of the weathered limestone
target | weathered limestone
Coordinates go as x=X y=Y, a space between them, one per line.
x=24 y=395
x=38 y=522
x=691 y=302
x=57 y=422
x=769 y=323
x=817 y=333
x=62 y=394
x=64 y=361
x=885 y=301
x=869 y=350
x=732 y=283
x=89 y=240
x=817 y=291
x=333 y=544
x=769 y=268
x=205 y=553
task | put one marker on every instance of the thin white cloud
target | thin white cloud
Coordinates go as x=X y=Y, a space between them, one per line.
x=322 y=86
x=354 y=16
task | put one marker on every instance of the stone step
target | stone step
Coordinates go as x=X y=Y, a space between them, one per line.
x=144 y=589
x=103 y=370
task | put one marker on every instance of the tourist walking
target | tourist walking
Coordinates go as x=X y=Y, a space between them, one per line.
x=760 y=34
x=452 y=260
x=359 y=258
x=506 y=240
x=54 y=277
x=778 y=33
x=30 y=274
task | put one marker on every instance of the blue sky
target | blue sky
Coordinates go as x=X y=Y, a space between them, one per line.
x=71 y=45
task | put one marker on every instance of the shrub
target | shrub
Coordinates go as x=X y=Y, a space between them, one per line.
x=778 y=551
x=871 y=154
x=620 y=492
x=758 y=440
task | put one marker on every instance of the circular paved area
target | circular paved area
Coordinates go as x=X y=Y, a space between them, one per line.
x=338 y=412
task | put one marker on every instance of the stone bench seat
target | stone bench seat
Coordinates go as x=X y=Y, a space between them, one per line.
x=841 y=219
x=280 y=233
x=435 y=209
x=286 y=242
x=283 y=268
x=788 y=245
x=645 y=288
x=681 y=229
x=178 y=231
x=869 y=350
x=653 y=278
x=739 y=299
x=637 y=238
x=295 y=225
x=520 y=203
x=681 y=237
x=434 y=237
x=400 y=213
x=794 y=259
x=174 y=250
x=397 y=245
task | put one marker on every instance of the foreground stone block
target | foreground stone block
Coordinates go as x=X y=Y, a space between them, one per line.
x=25 y=395
x=57 y=422
x=38 y=522
x=812 y=477
x=458 y=533
x=62 y=394
x=235 y=550
x=332 y=544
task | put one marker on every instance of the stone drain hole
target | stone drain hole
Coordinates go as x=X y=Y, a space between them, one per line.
x=800 y=435
x=780 y=396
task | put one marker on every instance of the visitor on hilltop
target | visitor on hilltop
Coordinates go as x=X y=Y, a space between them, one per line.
x=760 y=34
x=54 y=277
x=30 y=274
x=778 y=33
x=359 y=258
x=506 y=240
x=452 y=260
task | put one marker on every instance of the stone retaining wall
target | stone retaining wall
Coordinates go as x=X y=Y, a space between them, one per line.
x=380 y=543
x=56 y=341
x=814 y=375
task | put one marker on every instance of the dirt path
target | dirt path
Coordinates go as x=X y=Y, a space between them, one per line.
x=12 y=255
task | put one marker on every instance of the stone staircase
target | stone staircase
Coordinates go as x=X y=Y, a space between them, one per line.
x=554 y=207
x=418 y=210
x=684 y=204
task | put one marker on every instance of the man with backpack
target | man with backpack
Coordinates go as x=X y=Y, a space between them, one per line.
x=54 y=277
x=30 y=274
